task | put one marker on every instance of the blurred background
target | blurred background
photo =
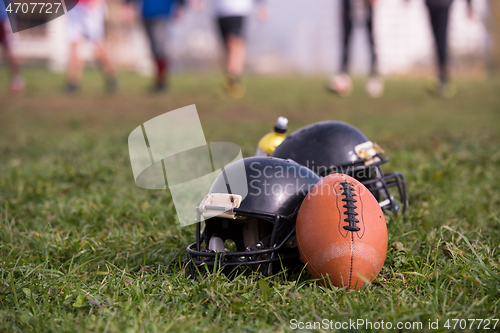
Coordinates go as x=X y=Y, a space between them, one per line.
x=299 y=37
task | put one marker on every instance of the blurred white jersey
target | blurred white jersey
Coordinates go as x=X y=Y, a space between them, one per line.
x=224 y=8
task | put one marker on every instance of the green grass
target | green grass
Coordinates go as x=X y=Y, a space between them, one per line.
x=83 y=249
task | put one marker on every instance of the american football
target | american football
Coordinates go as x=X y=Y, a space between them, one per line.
x=341 y=232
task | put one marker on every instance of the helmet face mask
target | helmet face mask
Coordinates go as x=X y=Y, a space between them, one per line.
x=384 y=187
x=260 y=231
x=336 y=147
x=380 y=185
x=245 y=242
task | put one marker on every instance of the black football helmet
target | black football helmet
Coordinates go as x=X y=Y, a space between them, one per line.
x=254 y=229
x=336 y=147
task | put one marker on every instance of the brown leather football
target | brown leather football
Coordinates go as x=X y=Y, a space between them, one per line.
x=341 y=232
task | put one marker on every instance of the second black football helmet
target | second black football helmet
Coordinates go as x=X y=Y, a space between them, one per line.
x=337 y=147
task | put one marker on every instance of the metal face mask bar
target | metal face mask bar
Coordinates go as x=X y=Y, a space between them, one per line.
x=378 y=185
x=198 y=257
x=381 y=185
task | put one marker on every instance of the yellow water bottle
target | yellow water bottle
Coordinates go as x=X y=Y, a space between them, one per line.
x=270 y=141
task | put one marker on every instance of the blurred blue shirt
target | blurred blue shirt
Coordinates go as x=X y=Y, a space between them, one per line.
x=3 y=13
x=155 y=8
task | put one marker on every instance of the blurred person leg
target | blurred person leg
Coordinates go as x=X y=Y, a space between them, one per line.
x=74 y=74
x=17 y=84
x=346 y=36
x=439 y=14
x=86 y=22
x=75 y=31
x=235 y=56
x=94 y=31
x=157 y=15
x=231 y=30
x=439 y=22
x=371 y=38
x=375 y=84
x=157 y=32
x=107 y=68
x=341 y=83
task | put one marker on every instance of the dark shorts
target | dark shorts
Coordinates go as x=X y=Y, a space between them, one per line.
x=437 y=4
x=231 y=25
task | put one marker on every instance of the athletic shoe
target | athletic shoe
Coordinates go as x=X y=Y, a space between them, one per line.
x=442 y=89
x=375 y=86
x=237 y=90
x=71 y=88
x=234 y=87
x=159 y=88
x=340 y=84
x=17 y=85
x=111 y=86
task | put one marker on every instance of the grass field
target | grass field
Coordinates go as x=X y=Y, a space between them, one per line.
x=82 y=248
